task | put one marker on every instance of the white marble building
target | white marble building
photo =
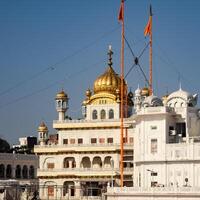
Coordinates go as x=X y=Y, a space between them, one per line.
x=87 y=156
x=166 y=148
x=161 y=145
x=17 y=173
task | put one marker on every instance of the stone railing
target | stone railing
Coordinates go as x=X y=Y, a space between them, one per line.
x=152 y=110
x=153 y=190
x=11 y=156
x=84 y=145
x=83 y=171
x=183 y=151
x=89 y=121
x=80 y=169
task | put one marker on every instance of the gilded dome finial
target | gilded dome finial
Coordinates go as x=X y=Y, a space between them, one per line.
x=88 y=93
x=110 y=53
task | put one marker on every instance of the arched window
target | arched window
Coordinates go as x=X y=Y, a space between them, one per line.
x=8 y=171
x=97 y=163
x=85 y=163
x=59 y=104
x=69 y=162
x=94 y=114
x=103 y=114
x=111 y=114
x=25 y=172
x=108 y=162
x=18 y=171
x=31 y=172
x=2 y=171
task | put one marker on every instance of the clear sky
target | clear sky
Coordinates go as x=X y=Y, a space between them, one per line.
x=49 y=45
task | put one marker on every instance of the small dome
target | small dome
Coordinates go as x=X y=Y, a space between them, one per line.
x=145 y=91
x=109 y=82
x=183 y=97
x=137 y=92
x=152 y=101
x=180 y=94
x=61 y=95
x=42 y=127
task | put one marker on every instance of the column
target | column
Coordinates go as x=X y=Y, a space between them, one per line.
x=77 y=189
x=70 y=164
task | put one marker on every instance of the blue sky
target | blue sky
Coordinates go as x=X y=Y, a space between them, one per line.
x=49 y=45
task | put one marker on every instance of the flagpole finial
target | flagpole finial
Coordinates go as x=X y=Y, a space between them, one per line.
x=150 y=10
x=110 y=53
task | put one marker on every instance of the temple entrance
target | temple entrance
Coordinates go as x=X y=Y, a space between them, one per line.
x=93 y=188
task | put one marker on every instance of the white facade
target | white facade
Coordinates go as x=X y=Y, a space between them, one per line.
x=161 y=143
x=167 y=144
x=87 y=156
x=166 y=149
x=18 y=174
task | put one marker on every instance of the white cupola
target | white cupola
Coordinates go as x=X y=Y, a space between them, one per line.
x=61 y=104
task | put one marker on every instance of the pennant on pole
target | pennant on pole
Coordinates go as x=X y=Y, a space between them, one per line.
x=148 y=28
x=121 y=13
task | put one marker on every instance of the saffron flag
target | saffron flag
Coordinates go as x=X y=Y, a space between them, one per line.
x=121 y=14
x=148 y=28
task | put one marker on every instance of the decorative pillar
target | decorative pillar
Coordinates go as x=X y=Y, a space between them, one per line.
x=77 y=189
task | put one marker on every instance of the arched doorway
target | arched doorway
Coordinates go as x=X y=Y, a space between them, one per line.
x=18 y=171
x=25 y=172
x=2 y=171
x=9 y=171
x=31 y=172
x=68 y=189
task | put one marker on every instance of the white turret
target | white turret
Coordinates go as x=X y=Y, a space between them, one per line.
x=42 y=134
x=137 y=99
x=61 y=104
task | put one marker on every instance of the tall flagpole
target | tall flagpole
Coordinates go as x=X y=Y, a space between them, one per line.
x=122 y=101
x=150 y=57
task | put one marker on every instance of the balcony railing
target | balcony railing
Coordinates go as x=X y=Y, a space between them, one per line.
x=11 y=156
x=83 y=171
x=183 y=151
x=89 y=121
x=161 y=190
x=116 y=145
x=86 y=169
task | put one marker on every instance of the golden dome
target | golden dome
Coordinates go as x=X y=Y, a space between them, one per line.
x=145 y=91
x=42 y=127
x=109 y=82
x=61 y=95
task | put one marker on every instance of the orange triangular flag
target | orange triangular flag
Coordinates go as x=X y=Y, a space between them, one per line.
x=120 y=16
x=147 y=30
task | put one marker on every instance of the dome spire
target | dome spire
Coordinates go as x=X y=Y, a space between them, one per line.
x=180 y=86
x=110 y=53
